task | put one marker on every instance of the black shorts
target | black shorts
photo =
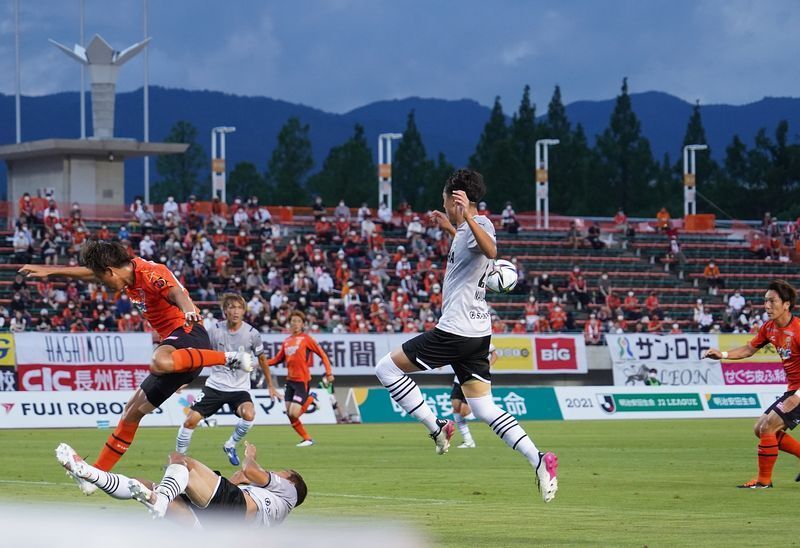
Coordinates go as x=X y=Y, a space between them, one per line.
x=211 y=400
x=435 y=348
x=295 y=392
x=456 y=393
x=790 y=419
x=159 y=388
x=227 y=499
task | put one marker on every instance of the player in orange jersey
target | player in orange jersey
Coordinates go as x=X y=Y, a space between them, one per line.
x=296 y=351
x=782 y=330
x=165 y=303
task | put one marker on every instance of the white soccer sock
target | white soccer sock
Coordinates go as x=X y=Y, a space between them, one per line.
x=242 y=427
x=463 y=428
x=175 y=480
x=405 y=392
x=115 y=485
x=506 y=426
x=184 y=439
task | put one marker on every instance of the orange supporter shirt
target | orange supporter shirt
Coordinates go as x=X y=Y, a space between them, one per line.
x=296 y=351
x=150 y=293
x=786 y=341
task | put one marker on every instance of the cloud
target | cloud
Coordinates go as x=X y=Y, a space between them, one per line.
x=513 y=55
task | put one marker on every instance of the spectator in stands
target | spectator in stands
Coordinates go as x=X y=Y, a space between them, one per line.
x=558 y=318
x=766 y=221
x=654 y=324
x=757 y=246
x=364 y=212
x=23 y=244
x=342 y=211
x=713 y=277
x=385 y=215
x=27 y=209
x=663 y=219
x=19 y=322
x=531 y=312
x=736 y=302
x=170 y=207
x=603 y=288
x=241 y=219
x=652 y=305
x=620 y=220
x=675 y=256
x=630 y=306
x=545 y=288
x=147 y=247
x=519 y=327
x=573 y=235
x=578 y=288
x=614 y=304
x=593 y=238
x=618 y=326
x=415 y=230
x=676 y=329
x=593 y=330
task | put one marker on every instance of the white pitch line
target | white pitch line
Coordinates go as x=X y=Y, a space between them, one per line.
x=333 y=495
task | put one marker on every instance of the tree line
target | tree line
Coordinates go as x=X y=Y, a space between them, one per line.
x=617 y=170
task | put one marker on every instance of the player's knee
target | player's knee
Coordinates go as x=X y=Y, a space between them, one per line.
x=386 y=370
x=248 y=414
x=191 y=422
x=161 y=363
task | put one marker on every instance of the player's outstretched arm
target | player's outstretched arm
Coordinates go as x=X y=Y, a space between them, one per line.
x=326 y=362
x=264 y=363
x=47 y=271
x=444 y=223
x=738 y=353
x=251 y=469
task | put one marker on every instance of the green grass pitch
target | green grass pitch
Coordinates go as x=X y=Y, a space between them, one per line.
x=622 y=483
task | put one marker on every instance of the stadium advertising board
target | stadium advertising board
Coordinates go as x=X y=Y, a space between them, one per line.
x=375 y=405
x=645 y=402
x=676 y=360
x=353 y=354
x=103 y=409
x=81 y=361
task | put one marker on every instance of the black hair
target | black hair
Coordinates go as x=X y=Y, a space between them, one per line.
x=299 y=485
x=468 y=180
x=785 y=291
x=99 y=256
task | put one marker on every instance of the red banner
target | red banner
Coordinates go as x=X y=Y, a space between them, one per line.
x=79 y=377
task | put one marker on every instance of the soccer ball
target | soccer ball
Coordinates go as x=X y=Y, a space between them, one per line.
x=503 y=277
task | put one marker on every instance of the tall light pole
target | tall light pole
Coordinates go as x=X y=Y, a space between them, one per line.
x=17 y=107
x=83 y=74
x=385 y=167
x=218 y=163
x=690 y=178
x=146 y=107
x=542 y=181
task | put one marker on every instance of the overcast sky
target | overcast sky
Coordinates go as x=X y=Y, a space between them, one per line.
x=340 y=54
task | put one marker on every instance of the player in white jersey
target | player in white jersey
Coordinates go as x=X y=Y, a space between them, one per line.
x=462 y=335
x=190 y=491
x=461 y=408
x=226 y=386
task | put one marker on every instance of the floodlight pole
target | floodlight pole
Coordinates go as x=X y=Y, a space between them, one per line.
x=17 y=107
x=218 y=163
x=690 y=178
x=146 y=106
x=542 y=181
x=385 y=167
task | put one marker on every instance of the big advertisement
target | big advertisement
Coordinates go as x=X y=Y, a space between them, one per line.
x=525 y=403
x=677 y=360
x=641 y=359
x=352 y=354
x=82 y=361
x=103 y=409
x=662 y=402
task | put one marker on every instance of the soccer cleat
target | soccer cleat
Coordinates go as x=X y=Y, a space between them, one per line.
x=467 y=445
x=305 y=443
x=232 y=456
x=754 y=484
x=442 y=436
x=546 y=476
x=155 y=502
x=76 y=468
x=239 y=360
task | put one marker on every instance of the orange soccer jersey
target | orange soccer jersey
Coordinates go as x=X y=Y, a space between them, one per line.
x=296 y=352
x=149 y=292
x=786 y=341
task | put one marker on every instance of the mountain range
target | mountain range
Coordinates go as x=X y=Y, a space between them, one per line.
x=448 y=126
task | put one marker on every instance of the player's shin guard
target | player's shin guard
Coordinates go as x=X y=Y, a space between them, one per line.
x=788 y=444
x=767 y=455
x=405 y=392
x=175 y=480
x=463 y=428
x=189 y=359
x=184 y=439
x=242 y=427
x=116 y=445
x=505 y=426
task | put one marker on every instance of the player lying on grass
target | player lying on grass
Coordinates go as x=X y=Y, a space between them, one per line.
x=226 y=386
x=165 y=303
x=782 y=330
x=462 y=336
x=190 y=490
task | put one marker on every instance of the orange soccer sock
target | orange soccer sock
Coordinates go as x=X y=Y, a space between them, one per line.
x=300 y=429
x=189 y=359
x=767 y=455
x=788 y=444
x=116 y=445
x=306 y=404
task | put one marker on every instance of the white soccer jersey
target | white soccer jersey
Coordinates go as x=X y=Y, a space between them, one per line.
x=464 y=308
x=222 y=339
x=274 y=501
